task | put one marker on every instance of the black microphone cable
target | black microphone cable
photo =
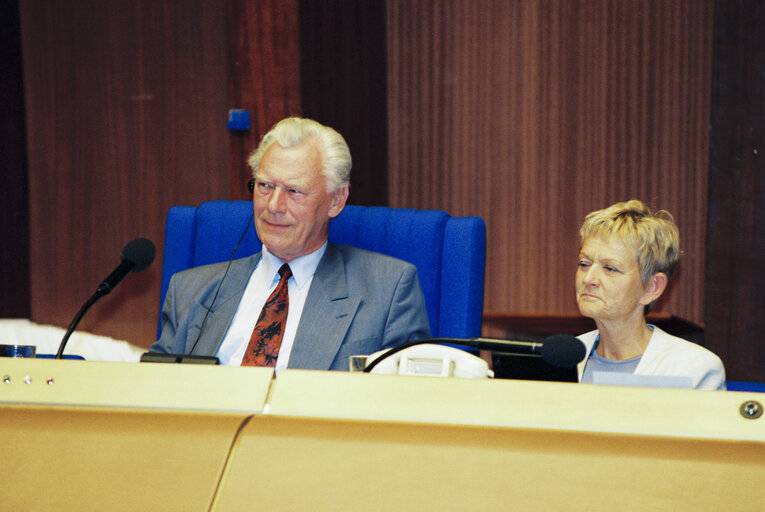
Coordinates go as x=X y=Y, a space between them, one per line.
x=231 y=259
x=561 y=350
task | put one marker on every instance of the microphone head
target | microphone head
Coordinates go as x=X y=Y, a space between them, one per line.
x=140 y=253
x=562 y=350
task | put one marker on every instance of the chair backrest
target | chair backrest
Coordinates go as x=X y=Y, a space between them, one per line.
x=449 y=252
x=750 y=387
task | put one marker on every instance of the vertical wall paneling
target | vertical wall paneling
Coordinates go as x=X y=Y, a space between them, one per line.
x=127 y=107
x=735 y=258
x=14 y=198
x=264 y=73
x=343 y=68
x=530 y=114
x=126 y=116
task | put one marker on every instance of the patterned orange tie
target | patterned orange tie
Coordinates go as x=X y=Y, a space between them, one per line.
x=266 y=339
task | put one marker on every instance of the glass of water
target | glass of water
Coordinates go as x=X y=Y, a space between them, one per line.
x=18 y=350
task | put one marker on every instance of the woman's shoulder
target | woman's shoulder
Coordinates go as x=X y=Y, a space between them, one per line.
x=674 y=346
x=672 y=354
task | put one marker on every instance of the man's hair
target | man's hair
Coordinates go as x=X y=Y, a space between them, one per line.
x=335 y=156
x=654 y=236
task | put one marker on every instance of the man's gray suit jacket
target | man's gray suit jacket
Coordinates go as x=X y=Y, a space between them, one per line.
x=359 y=302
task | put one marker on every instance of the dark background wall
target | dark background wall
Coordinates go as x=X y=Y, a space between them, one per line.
x=343 y=70
x=126 y=110
x=14 y=195
x=735 y=272
x=126 y=106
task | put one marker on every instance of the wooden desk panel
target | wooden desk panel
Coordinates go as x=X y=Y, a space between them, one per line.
x=80 y=435
x=537 y=326
x=340 y=441
x=293 y=464
x=335 y=441
x=160 y=386
x=61 y=458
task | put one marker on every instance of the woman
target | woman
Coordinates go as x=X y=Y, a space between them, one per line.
x=628 y=254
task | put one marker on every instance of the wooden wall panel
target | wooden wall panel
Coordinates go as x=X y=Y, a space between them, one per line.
x=126 y=116
x=264 y=74
x=735 y=293
x=14 y=197
x=127 y=106
x=532 y=114
x=343 y=67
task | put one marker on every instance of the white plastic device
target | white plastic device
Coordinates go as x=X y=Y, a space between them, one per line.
x=432 y=360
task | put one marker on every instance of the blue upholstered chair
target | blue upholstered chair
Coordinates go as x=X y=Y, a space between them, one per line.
x=449 y=252
x=751 y=387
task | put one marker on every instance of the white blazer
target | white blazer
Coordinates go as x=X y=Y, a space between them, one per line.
x=669 y=355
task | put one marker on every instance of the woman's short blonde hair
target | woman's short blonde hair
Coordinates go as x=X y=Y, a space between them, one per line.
x=653 y=235
x=335 y=154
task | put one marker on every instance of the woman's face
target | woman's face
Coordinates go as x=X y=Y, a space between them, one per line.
x=608 y=283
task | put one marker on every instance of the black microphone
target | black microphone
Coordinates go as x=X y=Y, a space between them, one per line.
x=561 y=350
x=558 y=350
x=135 y=257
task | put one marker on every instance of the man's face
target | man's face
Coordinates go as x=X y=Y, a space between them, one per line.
x=291 y=204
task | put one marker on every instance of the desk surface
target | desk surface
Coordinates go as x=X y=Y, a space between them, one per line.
x=514 y=404
x=76 y=383
x=382 y=442
x=112 y=439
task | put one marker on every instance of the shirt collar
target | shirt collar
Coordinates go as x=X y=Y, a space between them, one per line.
x=303 y=268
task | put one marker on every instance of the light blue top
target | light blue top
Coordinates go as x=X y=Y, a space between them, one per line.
x=598 y=363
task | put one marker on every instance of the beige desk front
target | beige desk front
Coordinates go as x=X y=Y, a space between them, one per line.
x=81 y=436
x=127 y=436
x=336 y=441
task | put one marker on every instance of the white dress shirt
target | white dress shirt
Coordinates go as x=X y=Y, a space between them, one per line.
x=262 y=283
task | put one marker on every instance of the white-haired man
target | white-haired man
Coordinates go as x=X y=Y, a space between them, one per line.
x=342 y=300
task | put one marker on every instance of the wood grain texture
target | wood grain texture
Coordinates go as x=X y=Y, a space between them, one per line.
x=263 y=74
x=735 y=296
x=126 y=116
x=532 y=114
x=343 y=67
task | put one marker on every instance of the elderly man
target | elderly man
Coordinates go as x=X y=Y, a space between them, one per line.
x=301 y=302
